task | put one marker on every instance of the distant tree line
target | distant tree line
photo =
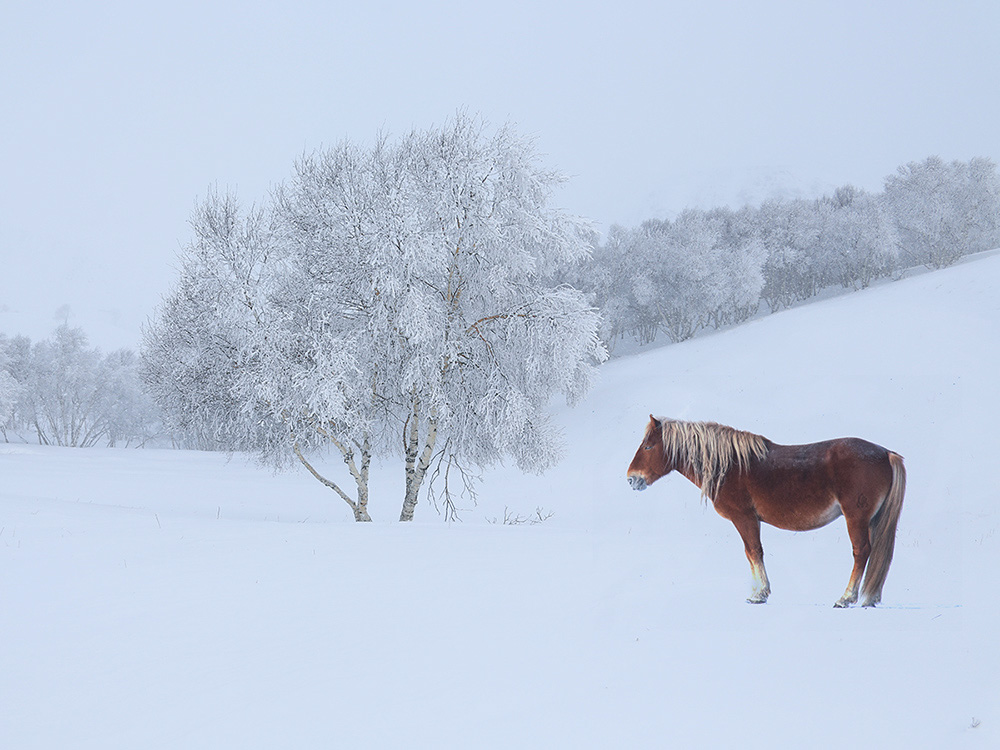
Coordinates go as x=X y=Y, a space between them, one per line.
x=708 y=269
x=60 y=391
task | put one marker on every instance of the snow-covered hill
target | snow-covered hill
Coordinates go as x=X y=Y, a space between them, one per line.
x=157 y=599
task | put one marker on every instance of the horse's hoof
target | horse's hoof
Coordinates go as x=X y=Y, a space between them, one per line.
x=757 y=600
x=841 y=604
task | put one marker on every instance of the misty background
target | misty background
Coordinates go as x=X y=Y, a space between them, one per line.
x=118 y=119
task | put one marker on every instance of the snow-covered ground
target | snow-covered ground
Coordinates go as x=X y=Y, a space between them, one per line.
x=158 y=599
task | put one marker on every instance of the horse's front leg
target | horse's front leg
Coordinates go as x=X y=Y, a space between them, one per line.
x=749 y=527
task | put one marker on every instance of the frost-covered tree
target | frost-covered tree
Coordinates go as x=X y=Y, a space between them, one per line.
x=130 y=414
x=676 y=277
x=790 y=232
x=690 y=272
x=189 y=354
x=62 y=392
x=606 y=277
x=400 y=304
x=739 y=256
x=8 y=398
x=944 y=211
x=10 y=390
x=857 y=241
x=982 y=204
x=665 y=270
x=435 y=252
x=220 y=360
x=16 y=365
x=65 y=390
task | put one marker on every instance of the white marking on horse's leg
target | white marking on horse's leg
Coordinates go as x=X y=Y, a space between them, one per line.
x=850 y=594
x=862 y=549
x=761 y=587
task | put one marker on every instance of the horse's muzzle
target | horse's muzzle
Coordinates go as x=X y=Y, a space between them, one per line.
x=638 y=483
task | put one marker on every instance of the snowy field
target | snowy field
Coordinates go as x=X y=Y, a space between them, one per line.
x=158 y=599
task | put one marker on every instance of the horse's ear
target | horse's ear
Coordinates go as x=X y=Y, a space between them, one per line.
x=655 y=421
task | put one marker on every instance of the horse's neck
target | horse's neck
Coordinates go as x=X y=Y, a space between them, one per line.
x=693 y=477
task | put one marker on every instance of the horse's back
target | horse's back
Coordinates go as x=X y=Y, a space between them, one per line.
x=802 y=487
x=830 y=457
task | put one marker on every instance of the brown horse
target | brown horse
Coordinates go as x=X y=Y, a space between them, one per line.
x=749 y=479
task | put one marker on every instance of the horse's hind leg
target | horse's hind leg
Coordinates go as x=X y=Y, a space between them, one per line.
x=749 y=528
x=857 y=529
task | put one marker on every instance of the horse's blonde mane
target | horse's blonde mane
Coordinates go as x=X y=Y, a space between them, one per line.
x=709 y=449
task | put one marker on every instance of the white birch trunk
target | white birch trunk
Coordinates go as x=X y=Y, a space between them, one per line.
x=417 y=461
x=360 y=505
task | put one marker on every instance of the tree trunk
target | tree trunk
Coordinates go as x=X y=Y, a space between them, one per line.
x=416 y=465
x=359 y=506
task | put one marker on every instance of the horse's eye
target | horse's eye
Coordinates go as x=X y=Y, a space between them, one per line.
x=648 y=447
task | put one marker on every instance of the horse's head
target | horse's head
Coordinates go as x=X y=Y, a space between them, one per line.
x=650 y=462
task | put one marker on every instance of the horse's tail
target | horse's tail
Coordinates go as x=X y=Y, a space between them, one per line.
x=882 y=532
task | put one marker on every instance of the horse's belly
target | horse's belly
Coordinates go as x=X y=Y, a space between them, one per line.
x=825 y=516
x=803 y=515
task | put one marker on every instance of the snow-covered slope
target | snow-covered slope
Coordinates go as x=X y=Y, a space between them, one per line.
x=156 y=599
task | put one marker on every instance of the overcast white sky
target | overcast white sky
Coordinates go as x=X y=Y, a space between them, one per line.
x=116 y=117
